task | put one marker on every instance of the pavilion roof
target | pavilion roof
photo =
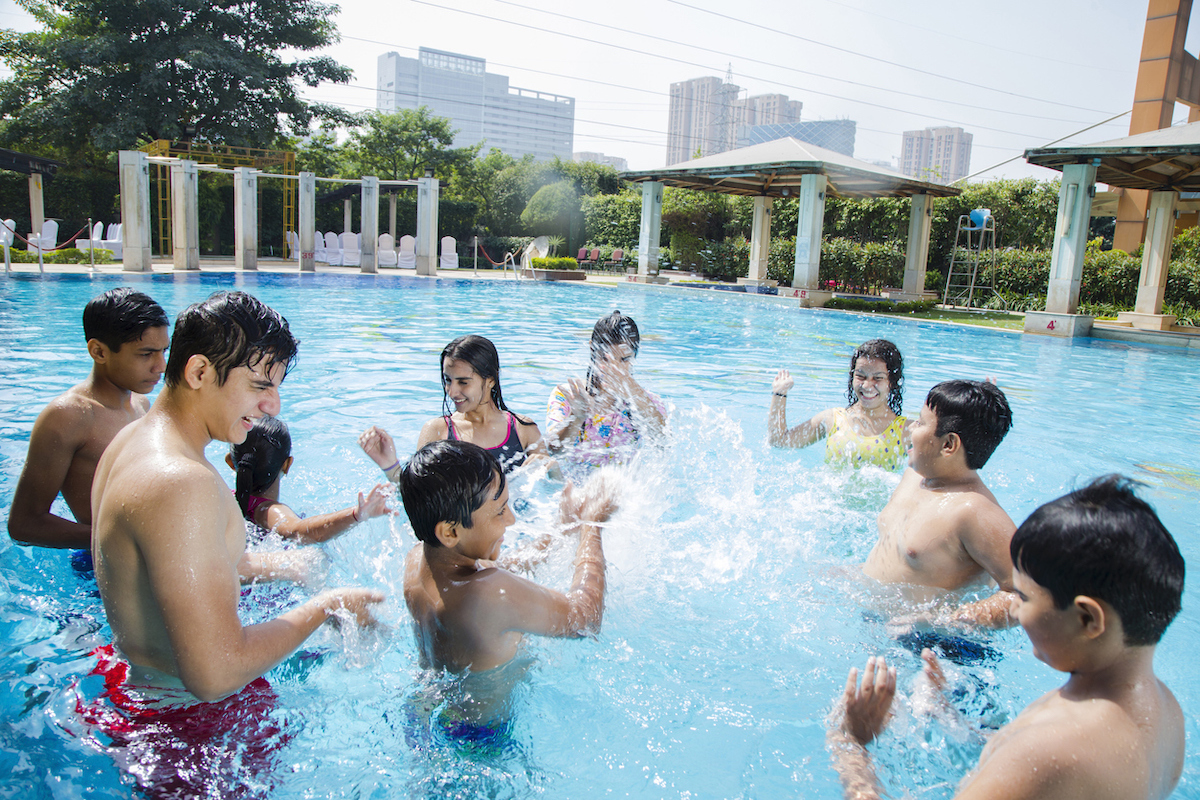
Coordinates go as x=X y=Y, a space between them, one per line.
x=776 y=168
x=1157 y=160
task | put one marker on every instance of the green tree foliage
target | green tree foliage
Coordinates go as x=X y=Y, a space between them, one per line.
x=613 y=220
x=552 y=208
x=402 y=145
x=321 y=155
x=693 y=220
x=118 y=73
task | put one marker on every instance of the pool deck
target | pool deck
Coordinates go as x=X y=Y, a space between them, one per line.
x=1189 y=342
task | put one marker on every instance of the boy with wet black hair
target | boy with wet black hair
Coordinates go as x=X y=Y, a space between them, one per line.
x=127 y=335
x=942 y=529
x=469 y=613
x=1098 y=580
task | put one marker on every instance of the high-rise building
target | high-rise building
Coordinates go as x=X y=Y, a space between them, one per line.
x=480 y=105
x=707 y=116
x=940 y=155
x=616 y=162
x=832 y=134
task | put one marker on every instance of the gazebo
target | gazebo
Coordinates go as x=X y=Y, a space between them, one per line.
x=786 y=168
x=1165 y=162
x=37 y=168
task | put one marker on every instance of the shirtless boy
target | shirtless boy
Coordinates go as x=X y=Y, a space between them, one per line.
x=942 y=528
x=1098 y=579
x=471 y=615
x=169 y=538
x=127 y=336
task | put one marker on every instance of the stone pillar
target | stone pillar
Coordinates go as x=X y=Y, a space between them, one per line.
x=427 y=225
x=650 y=233
x=1156 y=256
x=135 y=210
x=37 y=205
x=185 y=219
x=917 y=256
x=1066 y=259
x=760 y=244
x=308 y=221
x=370 y=222
x=245 y=218
x=392 y=216
x=806 y=284
x=347 y=216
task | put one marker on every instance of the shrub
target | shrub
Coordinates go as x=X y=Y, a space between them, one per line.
x=555 y=263
x=68 y=255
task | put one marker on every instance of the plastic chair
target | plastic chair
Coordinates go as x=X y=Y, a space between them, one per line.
x=47 y=239
x=94 y=240
x=351 y=255
x=407 y=258
x=292 y=240
x=449 y=259
x=8 y=231
x=319 y=247
x=114 y=241
x=978 y=217
x=385 y=251
x=582 y=255
x=333 y=250
x=617 y=260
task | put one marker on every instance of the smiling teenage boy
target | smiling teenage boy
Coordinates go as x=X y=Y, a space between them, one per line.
x=943 y=529
x=1098 y=580
x=126 y=334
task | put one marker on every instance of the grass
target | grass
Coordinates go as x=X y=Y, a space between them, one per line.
x=984 y=319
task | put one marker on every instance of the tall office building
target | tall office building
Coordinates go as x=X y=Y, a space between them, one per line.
x=707 y=116
x=940 y=155
x=616 y=162
x=480 y=105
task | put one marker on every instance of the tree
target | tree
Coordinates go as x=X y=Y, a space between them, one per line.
x=551 y=209
x=400 y=146
x=118 y=73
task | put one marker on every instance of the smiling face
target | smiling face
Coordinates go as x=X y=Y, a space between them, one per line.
x=464 y=386
x=247 y=394
x=488 y=523
x=926 y=444
x=870 y=382
x=138 y=365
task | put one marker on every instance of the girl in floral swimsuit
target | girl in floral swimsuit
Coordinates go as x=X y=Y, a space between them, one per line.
x=870 y=430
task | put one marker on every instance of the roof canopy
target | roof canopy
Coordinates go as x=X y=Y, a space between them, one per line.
x=776 y=168
x=1156 y=160
x=22 y=162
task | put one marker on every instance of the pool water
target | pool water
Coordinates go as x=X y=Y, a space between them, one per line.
x=734 y=606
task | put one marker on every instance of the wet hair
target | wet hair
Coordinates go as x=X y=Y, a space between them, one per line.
x=480 y=354
x=975 y=410
x=121 y=315
x=889 y=354
x=259 y=459
x=1105 y=542
x=446 y=481
x=611 y=331
x=230 y=329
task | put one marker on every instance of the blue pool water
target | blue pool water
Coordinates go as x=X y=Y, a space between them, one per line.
x=733 y=607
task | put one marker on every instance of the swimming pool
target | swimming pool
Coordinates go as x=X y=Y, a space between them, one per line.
x=733 y=611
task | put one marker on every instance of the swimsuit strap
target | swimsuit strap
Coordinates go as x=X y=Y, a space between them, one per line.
x=450 y=432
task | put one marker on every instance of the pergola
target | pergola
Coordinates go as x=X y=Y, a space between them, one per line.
x=35 y=167
x=787 y=168
x=1166 y=162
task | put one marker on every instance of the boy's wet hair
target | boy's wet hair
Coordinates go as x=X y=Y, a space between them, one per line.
x=446 y=481
x=610 y=331
x=259 y=459
x=889 y=354
x=121 y=315
x=1105 y=542
x=975 y=410
x=480 y=354
x=231 y=330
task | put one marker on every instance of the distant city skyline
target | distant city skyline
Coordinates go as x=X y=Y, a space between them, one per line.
x=938 y=155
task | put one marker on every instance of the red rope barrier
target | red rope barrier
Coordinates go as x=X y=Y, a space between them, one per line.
x=69 y=241
x=485 y=255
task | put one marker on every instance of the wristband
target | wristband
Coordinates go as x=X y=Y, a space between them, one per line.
x=392 y=467
x=393 y=472
x=777 y=394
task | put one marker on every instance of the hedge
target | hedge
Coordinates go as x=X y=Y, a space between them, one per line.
x=555 y=263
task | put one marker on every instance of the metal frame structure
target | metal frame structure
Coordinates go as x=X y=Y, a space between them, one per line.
x=968 y=268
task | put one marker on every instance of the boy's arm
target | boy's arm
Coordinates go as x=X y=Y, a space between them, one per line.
x=55 y=438
x=986 y=541
x=866 y=710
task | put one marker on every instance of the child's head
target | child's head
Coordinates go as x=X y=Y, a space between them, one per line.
x=889 y=354
x=121 y=315
x=977 y=411
x=266 y=451
x=1106 y=543
x=610 y=332
x=231 y=330
x=480 y=354
x=447 y=481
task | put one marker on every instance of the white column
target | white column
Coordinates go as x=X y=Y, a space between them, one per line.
x=427 y=225
x=916 y=259
x=347 y=216
x=370 y=222
x=1066 y=258
x=809 y=223
x=308 y=220
x=650 y=232
x=1156 y=257
x=37 y=204
x=245 y=218
x=185 y=219
x=392 y=216
x=760 y=241
x=135 y=210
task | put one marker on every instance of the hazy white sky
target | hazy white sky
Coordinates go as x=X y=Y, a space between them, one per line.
x=1015 y=74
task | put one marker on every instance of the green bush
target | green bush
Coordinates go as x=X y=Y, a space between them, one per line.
x=888 y=306
x=68 y=255
x=555 y=263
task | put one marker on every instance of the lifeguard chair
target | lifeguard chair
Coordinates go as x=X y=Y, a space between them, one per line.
x=979 y=247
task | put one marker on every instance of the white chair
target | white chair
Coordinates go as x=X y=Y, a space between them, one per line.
x=333 y=250
x=93 y=241
x=113 y=241
x=292 y=240
x=407 y=259
x=351 y=255
x=47 y=240
x=449 y=259
x=385 y=251
x=319 y=247
x=8 y=230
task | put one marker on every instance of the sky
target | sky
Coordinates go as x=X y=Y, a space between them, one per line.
x=1015 y=75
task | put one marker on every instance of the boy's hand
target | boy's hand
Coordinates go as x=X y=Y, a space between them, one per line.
x=374 y=504
x=782 y=383
x=354 y=600
x=377 y=443
x=868 y=707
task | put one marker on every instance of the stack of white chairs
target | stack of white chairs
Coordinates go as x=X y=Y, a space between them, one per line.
x=292 y=239
x=408 y=253
x=113 y=240
x=385 y=251
x=319 y=247
x=8 y=230
x=333 y=250
x=351 y=254
x=46 y=240
x=92 y=241
x=449 y=259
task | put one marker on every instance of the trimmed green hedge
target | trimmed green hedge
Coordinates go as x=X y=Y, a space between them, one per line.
x=555 y=263
x=68 y=255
